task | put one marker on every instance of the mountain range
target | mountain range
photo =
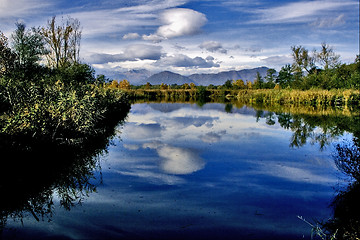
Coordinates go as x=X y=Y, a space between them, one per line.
x=140 y=77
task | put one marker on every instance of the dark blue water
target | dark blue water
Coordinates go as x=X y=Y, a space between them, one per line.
x=180 y=171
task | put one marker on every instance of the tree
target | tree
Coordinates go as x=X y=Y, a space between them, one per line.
x=259 y=82
x=270 y=78
x=114 y=84
x=124 y=84
x=302 y=60
x=63 y=42
x=28 y=45
x=185 y=86
x=7 y=57
x=239 y=84
x=192 y=86
x=327 y=57
x=164 y=86
x=249 y=85
x=285 y=77
x=227 y=85
x=148 y=86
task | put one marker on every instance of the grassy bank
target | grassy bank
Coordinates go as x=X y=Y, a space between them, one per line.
x=336 y=97
x=316 y=98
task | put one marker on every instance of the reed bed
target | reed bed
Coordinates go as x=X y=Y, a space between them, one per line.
x=314 y=97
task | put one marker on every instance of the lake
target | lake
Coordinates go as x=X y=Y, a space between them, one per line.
x=185 y=171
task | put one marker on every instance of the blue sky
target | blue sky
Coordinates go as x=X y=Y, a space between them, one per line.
x=199 y=36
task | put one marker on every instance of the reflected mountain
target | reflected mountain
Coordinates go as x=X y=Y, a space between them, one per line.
x=34 y=172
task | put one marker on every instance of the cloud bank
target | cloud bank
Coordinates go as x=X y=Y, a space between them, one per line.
x=181 y=60
x=132 y=53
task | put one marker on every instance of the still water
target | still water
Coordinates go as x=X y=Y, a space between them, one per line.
x=183 y=171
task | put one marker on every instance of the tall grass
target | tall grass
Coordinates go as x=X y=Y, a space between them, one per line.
x=313 y=97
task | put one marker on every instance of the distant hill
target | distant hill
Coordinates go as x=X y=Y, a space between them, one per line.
x=205 y=79
x=168 y=78
x=135 y=76
x=221 y=77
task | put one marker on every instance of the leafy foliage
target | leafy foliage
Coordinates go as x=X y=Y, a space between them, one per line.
x=60 y=101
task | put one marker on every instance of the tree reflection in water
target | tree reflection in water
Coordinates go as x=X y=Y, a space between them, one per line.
x=33 y=171
x=346 y=220
x=324 y=130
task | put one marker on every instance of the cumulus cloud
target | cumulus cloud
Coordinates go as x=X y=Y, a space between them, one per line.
x=180 y=161
x=178 y=22
x=213 y=46
x=176 y=160
x=181 y=60
x=132 y=53
x=131 y=36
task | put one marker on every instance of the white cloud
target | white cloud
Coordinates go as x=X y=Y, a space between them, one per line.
x=153 y=37
x=143 y=131
x=132 y=53
x=178 y=22
x=130 y=36
x=213 y=46
x=153 y=177
x=302 y=11
x=176 y=160
x=329 y=22
x=21 y=8
x=133 y=147
x=179 y=161
x=297 y=174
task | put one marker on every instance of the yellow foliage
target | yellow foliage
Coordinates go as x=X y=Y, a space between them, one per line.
x=124 y=84
x=114 y=84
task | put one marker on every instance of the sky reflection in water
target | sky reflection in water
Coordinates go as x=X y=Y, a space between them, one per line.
x=181 y=171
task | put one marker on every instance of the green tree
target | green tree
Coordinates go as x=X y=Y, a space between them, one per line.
x=7 y=57
x=259 y=82
x=327 y=57
x=28 y=45
x=301 y=60
x=227 y=85
x=270 y=78
x=285 y=77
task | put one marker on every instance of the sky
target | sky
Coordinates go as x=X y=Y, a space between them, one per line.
x=195 y=36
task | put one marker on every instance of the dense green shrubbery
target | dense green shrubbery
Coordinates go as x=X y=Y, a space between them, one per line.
x=62 y=100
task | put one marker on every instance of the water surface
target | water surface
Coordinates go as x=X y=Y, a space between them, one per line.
x=181 y=171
